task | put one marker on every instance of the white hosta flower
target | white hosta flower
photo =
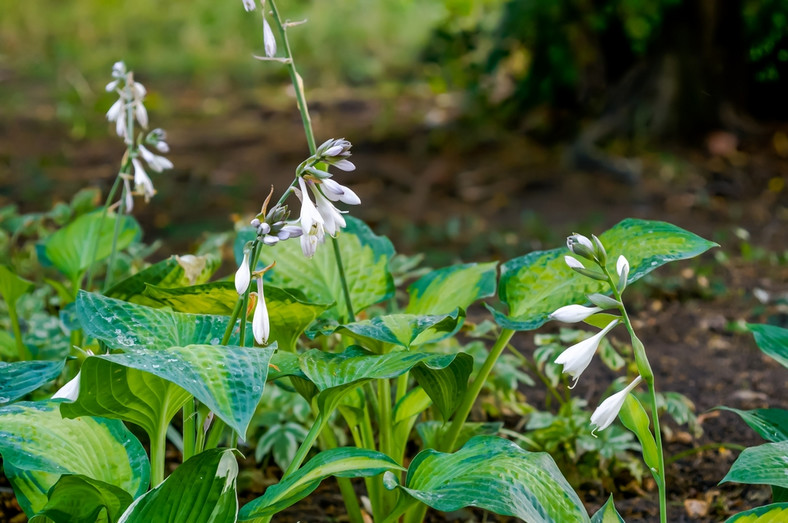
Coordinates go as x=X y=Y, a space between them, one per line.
x=156 y=162
x=242 y=275
x=312 y=222
x=69 y=391
x=332 y=217
x=337 y=192
x=573 y=263
x=249 y=5
x=576 y=358
x=608 y=410
x=573 y=313
x=261 y=327
x=142 y=182
x=622 y=268
x=269 y=41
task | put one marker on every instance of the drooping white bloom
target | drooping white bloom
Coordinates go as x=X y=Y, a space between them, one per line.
x=576 y=358
x=156 y=162
x=269 y=41
x=69 y=391
x=573 y=313
x=312 y=222
x=573 y=262
x=337 y=192
x=249 y=5
x=261 y=327
x=332 y=217
x=622 y=268
x=345 y=165
x=608 y=410
x=129 y=195
x=242 y=275
x=142 y=182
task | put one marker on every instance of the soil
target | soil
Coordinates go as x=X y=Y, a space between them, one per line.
x=434 y=187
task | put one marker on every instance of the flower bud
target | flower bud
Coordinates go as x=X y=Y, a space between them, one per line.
x=242 y=275
x=261 y=327
x=580 y=245
x=573 y=313
x=599 y=250
x=608 y=410
x=622 y=269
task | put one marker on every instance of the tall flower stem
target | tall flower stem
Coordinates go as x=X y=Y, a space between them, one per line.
x=298 y=86
x=97 y=232
x=122 y=201
x=644 y=368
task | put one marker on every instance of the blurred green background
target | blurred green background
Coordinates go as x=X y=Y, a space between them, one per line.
x=498 y=109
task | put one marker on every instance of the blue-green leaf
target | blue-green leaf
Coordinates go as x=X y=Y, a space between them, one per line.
x=202 y=490
x=123 y=325
x=496 y=475
x=537 y=284
x=147 y=387
x=79 y=499
x=21 y=377
x=341 y=462
x=763 y=465
x=770 y=424
x=772 y=340
x=38 y=446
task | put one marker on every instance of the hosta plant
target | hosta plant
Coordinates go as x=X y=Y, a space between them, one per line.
x=171 y=352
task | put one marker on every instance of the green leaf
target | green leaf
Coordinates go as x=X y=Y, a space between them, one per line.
x=537 y=284
x=431 y=432
x=772 y=340
x=175 y=271
x=443 y=376
x=79 y=499
x=634 y=417
x=344 y=462
x=365 y=258
x=12 y=287
x=770 y=424
x=289 y=315
x=496 y=475
x=148 y=387
x=21 y=377
x=607 y=513
x=403 y=330
x=38 y=446
x=774 y=513
x=202 y=490
x=123 y=325
x=764 y=465
x=440 y=291
x=282 y=441
x=71 y=248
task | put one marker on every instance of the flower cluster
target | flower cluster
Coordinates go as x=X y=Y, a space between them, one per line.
x=576 y=358
x=128 y=109
x=316 y=219
x=321 y=216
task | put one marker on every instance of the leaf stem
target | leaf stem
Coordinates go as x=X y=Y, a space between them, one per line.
x=158 y=447
x=21 y=349
x=450 y=438
x=189 y=430
x=115 y=234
